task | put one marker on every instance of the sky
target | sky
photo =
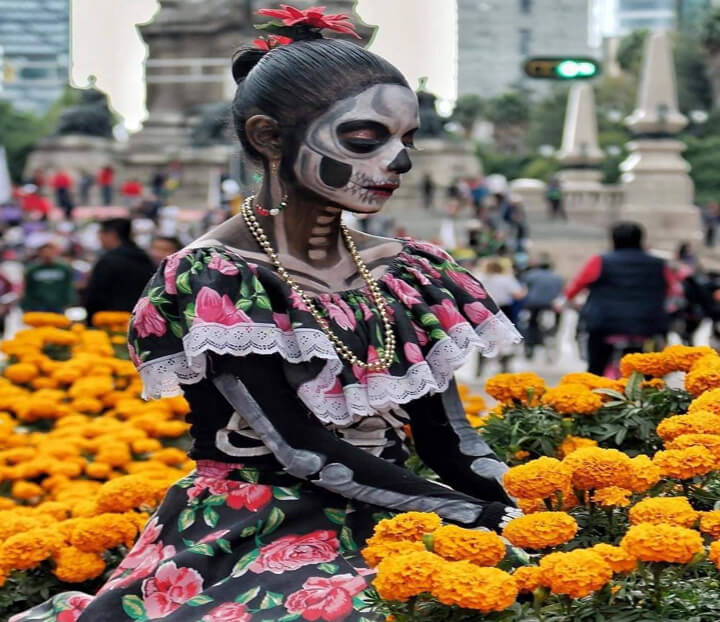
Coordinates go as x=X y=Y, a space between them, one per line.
x=106 y=44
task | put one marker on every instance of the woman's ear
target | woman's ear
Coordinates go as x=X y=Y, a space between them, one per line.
x=263 y=133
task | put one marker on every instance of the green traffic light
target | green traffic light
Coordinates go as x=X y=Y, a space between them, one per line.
x=569 y=69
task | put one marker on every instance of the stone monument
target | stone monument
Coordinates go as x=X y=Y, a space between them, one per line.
x=657 y=188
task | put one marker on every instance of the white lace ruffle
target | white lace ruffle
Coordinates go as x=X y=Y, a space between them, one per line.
x=382 y=391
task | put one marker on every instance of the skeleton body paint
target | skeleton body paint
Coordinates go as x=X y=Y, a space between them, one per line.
x=355 y=153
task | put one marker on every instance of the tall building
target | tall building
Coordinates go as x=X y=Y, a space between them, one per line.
x=34 y=52
x=496 y=36
x=620 y=17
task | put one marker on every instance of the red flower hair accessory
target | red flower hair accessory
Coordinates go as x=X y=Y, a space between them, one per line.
x=314 y=17
x=272 y=41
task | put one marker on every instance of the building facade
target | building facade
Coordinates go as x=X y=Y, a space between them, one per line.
x=495 y=37
x=34 y=52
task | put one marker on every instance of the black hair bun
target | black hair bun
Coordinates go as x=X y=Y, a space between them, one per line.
x=244 y=60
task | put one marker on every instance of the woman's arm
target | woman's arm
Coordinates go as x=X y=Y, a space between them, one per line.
x=255 y=386
x=447 y=443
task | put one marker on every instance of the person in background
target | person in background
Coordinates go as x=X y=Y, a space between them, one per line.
x=428 y=190
x=62 y=184
x=544 y=286
x=32 y=203
x=38 y=179
x=627 y=288
x=131 y=191
x=85 y=183
x=105 y=180
x=48 y=283
x=553 y=194
x=163 y=246
x=119 y=276
x=710 y=217
x=158 y=184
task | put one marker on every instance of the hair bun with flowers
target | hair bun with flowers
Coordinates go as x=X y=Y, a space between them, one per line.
x=293 y=24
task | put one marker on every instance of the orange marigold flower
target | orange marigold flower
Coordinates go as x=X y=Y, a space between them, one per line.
x=400 y=577
x=573 y=443
x=593 y=467
x=704 y=376
x=714 y=553
x=644 y=474
x=474 y=404
x=711 y=442
x=43 y=318
x=374 y=553
x=527 y=578
x=541 y=530
x=454 y=543
x=21 y=373
x=471 y=587
x=577 y=574
x=668 y=510
x=572 y=399
x=710 y=523
x=662 y=543
x=26 y=491
x=540 y=478
x=523 y=388
x=75 y=566
x=682 y=358
x=699 y=422
x=103 y=532
x=126 y=493
x=612 y=497
x=617 y=557
x=684 y=463
x=708 y=401
x=590 y=381
x=648 y=364
x=407 y=526
x=27 y=549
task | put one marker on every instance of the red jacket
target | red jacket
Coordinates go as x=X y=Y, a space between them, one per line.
x=61 y=180
x=105 y=177
x=132 y=188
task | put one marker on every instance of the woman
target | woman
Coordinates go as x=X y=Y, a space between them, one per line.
x=304 y=350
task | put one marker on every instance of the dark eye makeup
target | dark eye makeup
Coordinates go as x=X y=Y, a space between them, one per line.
x=362 y=136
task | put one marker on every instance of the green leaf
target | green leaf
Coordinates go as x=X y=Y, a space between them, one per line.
x=202 y=549
x=183 y=283
x=271 y=599
x=134 y=607
x=277 y=516
x=248 y=531
x=633 y=389
x=242 y=565
x=246 y=597
x=215 y=500
x=249 y=474
x=263 y=302
x=335 y=515
x=189 y=313
x=611 y=393
x=329 y=568
x=437 y=334
x=156 y=297
x=200 y=599
x=176 y=329
x=346 y=539
x=186 y=519
x=211 y=516
x=244 y=290
x=244 y=304
x=289 y=617
x=285 y=494
x=224 y=545
x=428 y=319
x=257 y=285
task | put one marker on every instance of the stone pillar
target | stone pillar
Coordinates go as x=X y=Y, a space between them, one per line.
x=580 y=155
x=657 y=188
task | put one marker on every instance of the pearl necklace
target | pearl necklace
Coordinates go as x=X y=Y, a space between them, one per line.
x=388 y=354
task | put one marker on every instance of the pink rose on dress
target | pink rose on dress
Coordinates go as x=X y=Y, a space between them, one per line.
x=253 y=267
x=172 y=263
x=420 y=334
x=213 y=469
x=477 y=312
x=297 y=302
x=293 y=552
x=431 y=249
x=250 y=496
x=337 y=314
x=147 y=320
x=419 y=276
x=367 y=313
x=326 y=598
x=223 y=266
x=216 y=309
x=404 y=292
x=215 y=535
x=447 y=314
x=282 y=321
x=413 y=353
x=169 y=589
x=227 y=612
x=423 y=264
x=467 y=283
x=77 y=606
x=133 y=355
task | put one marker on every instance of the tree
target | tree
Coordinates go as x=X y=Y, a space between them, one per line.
x=547 y=119
x=694 y=88
x=19 y=132
x=710 y=38
x=468 y=109
x=510 y=115
x=630 y=51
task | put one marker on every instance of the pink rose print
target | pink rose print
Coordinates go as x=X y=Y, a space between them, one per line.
x=447 y=314
x=404 y=292
x=223 y=266
x=325 y=598
x=297 y=302
x=431 y=249
x=250 y=496
x=253 y=267
x=469 y=284
x=172 y=263
x=367 y=313
x=219 y=470
x=227 y=612
x=293 y=552
x=423 y=264
x=147 y=320
x=413 y=353
x=211 y=307
x=133 y=355
x=372 y=357
x=169 y=589
x=215 y=535
x=282 y=321
x=77 y=605
x=420 y=334
x=477 y=312
x=337 y=314
x=360 y=373
x=419 y=276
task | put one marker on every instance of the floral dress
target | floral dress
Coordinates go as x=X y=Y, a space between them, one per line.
x=298 y=452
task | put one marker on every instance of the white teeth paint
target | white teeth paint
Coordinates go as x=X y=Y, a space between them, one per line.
x=390 y=105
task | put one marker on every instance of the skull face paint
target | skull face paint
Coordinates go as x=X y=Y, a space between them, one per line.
x=354 y=153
